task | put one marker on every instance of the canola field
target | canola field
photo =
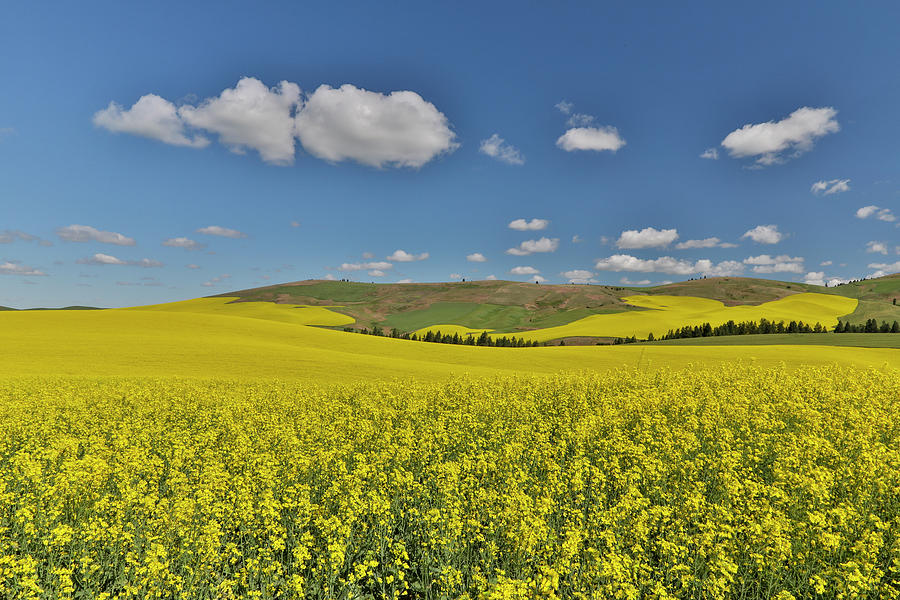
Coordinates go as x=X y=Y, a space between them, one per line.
x=670 y=312
x=725 y=482
x=214 y=338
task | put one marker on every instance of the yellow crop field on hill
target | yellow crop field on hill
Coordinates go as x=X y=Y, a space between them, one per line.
x=670 y=312
x=206 y=338
x=733 y=482
x=445 y=328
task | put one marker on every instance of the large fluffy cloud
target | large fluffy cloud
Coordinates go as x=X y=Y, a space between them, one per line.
x=151 y=117
x=346 y=123
x=496 y=147
x=649 y=237
x=531 y=246
x=591 y=138
x=764 y=234
x=251 y=115
x=791 y=136
x=86 y=233
x=667 y=264
x=399 y=129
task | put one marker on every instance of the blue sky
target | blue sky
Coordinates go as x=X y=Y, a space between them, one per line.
x=155 y=154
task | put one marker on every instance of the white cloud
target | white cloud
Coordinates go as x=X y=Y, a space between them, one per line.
x=404 y=281
x=376 y=273
x=649 y=237
x=221 y=232
x=576 y=239
x=579 y=276
x=710 y=153
x=192 y=266
x=876 y=247
x=532 y=225
x=794 y=134
x=379 y=265
x=626 y=281
x=815 y=278
x=564 y=107
x=8 y=236
x=764 y=234
x=368 y=255
x=399 y=129
x=496 y=147
x=151 y=117
x=826 y=263
x=667 y=264
x=216 y=280
x=491 y=278
x=455 y=276
x=86 y=233
x=183 y=242
x=834 y=186
x=106 y=259
x=710 y=242
x=531 y=246
x=476 y=257
x=884 y=268
x=16 y=268
x=403 y=256
x=538 y=279
x=329 y=277
x=251 y=115
x=591 y=138
x=523 y=271
x=777 y=264
x=882 y=214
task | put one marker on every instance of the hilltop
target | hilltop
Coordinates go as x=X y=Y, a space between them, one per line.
x=509 y=306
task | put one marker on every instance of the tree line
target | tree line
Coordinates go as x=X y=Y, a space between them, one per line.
x=871 y=326
x=763 y=326
x=437 y=337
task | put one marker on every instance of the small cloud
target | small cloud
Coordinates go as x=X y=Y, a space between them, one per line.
x=579 y=276
x=538 y=279
x=532 y=225
x=580 y=120
x=882 y=214
x=183 y=242
x=8 y=236
x=367 y=255
x=455 y=276
x=378 y=265
x=86 y=233
x=777 y=264
x=476 y=257
x=405 y=281
x=770 y=142
x=531 y=246
x=834 y=186
x=626 y=281
x=576 y=239
x=496 y=147
x=523 y=271
x=884 y=268
x=150 y=117
x=649 y=237
x=107 y=259
x=295 y=223
x=710 y=153
x=330 y=277
x=404 y=256
x=764 y=234
x=221 y=232
x=564 y=107
x=491 y=278
x=17 y=268
x=376 y=273
x=668 y=265
x=876 y=247
x=192 y=266
x=216 y=280
x=591 y=138
x=710 y=242
x=815 y=278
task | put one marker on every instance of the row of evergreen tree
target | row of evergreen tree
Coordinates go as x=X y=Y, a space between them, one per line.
x=445 y=338
x=871 y=326
x=764 y=326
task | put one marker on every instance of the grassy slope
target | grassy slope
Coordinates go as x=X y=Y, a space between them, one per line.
x=206 y=342
x=859 y=340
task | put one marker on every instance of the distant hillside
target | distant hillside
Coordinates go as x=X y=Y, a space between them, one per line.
x=63 y=308
x=509 y=306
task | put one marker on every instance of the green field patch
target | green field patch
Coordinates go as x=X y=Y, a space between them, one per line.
x=475 y=316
